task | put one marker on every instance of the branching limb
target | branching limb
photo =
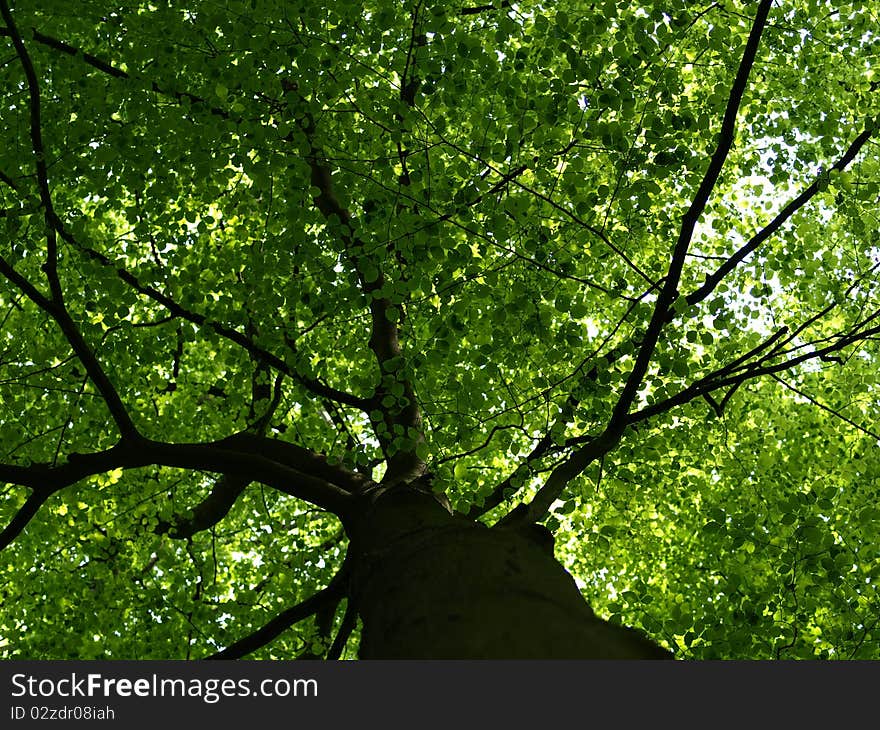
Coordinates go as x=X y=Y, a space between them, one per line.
x=669 y=291
x=227 y=489
x=755 y=351
x=299 y=458
x=712 y=280
x=220 y=456
x=80 y=347
x=604 y=442
x=597 y=447
x=704 y=291
x=724 y=377
x=779 y=347
x=287 y=618
x=54 y=304
x=313 y=385
x=4 y=178
x=546 y=443
x=398 y=411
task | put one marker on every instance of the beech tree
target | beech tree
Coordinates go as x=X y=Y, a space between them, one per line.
x=419 y=329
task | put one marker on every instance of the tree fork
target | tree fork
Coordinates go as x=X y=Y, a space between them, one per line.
x=433 y=585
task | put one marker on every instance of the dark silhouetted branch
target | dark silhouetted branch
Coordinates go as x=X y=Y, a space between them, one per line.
x=217 y=457
x=712 y=280
x=287 y=618
x=603 y=443
x=53 y=227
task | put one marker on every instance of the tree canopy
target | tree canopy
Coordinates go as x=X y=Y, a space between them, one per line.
x=609 y=267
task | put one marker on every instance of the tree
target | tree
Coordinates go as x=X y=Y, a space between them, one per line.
x=338 y=329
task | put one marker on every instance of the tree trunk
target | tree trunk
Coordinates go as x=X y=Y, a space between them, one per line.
x=431 y=585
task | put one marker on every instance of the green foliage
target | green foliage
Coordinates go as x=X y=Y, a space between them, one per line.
x=471 y=290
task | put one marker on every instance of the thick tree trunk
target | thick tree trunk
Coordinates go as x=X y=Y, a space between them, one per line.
x=430 y=585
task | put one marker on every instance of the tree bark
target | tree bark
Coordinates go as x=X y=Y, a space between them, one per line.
x=432 y=585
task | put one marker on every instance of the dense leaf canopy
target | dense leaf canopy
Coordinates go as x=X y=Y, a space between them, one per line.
x=613 y=262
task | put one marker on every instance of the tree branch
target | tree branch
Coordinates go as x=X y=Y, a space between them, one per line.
x=384 y=341
x=722 y=377
x=546 y=443
x=110 y=69
x=825 y=408
x=79 y=346
x=207 y=513
x=347 y=625
x=313 y=385
x=603 y=443
x=712 y=280
x=57 y=309
x=227 y=489
x=23 y=516
x=299 y=458
x=217 y=456
x=571 y=215
x=478 y=9
x=669 y=291
x=287 y=618
x=50 y=268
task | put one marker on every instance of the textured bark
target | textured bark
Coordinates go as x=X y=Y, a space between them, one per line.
x=431 y=585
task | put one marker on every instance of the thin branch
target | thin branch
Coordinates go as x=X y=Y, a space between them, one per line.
x=110 y=69
x=669 y=291
x=217 y=456
x=755 y=351
x=712 y=280
x=346 y=627
x=287 y=618
x=825 y=408
x=546 y=442
x=82 y=350
x=313 y=385
x=715 y=381
x=603 y=443
x=8 y=181
x=807 y=323
x=571 y=215
x=50 y=268
x=57 y=309
x=23 y=516
x=470 y=452
x=385 y=335
x=277 y=626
